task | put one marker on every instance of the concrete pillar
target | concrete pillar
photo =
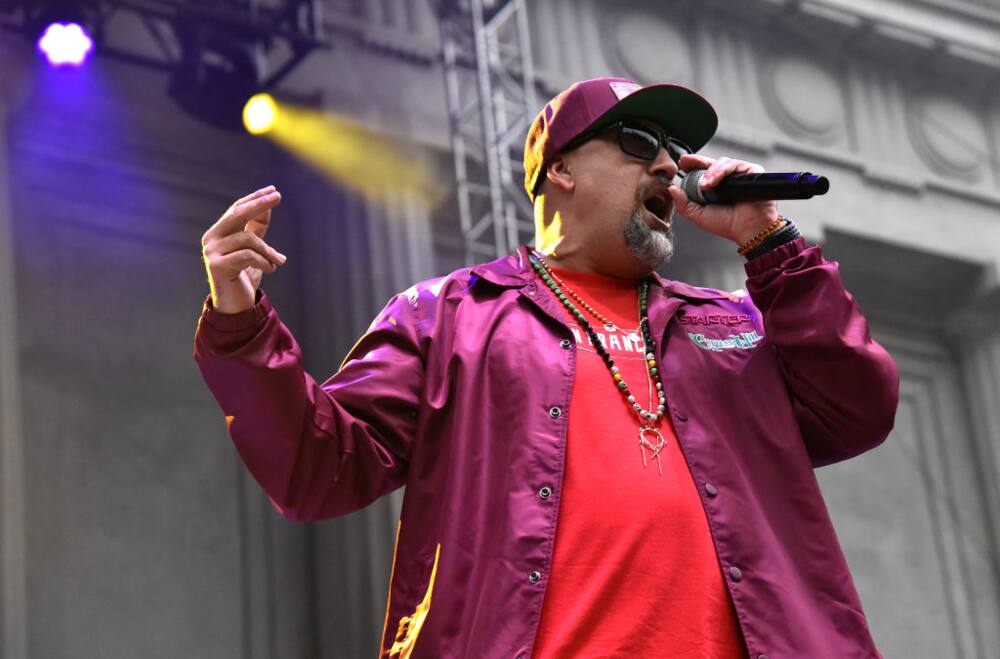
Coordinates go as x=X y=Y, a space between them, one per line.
x=12 y=517
x=355 y=253
x=976 y=337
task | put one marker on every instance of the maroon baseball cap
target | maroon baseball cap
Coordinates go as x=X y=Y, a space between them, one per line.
x=592 y=104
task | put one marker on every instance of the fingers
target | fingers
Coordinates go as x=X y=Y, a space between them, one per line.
x=692 y=161
x=716 y=170
x=234 y=243
x=683 y=205
x=244 y=240
x=229 y=266
x=258 y=226
x=254 y=195
x=256 y=207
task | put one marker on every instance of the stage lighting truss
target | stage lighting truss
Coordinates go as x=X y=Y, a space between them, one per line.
x=490 y=91
x=257 y=42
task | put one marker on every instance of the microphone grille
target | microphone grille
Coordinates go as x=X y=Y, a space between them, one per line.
x=690 y=186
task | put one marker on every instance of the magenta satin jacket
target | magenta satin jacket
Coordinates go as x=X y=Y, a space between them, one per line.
x=460 y=389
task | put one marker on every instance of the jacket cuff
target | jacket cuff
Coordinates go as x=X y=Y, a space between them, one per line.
x=774 y=257
x=245 y=322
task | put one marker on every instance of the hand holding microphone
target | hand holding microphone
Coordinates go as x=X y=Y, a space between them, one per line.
x=735 y=199
x=761 y=186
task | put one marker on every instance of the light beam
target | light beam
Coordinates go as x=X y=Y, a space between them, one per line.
x=353 y=155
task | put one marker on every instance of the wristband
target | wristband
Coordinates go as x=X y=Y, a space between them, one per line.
x=771 y=229
x=787 y=234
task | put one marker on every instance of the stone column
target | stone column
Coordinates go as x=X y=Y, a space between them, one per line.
x=355 y=253
x=12 y=521
x=976 y=337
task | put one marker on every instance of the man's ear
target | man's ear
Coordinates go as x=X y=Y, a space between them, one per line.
x=559 y=173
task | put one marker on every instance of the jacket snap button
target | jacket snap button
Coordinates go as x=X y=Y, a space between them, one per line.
x=534 y=577
x=545 y=492
x=710 y=490
x=565 y=344
x=555 y=412
x=735 y=573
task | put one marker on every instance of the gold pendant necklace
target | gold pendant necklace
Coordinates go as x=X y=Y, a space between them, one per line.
x=657 y=408
x=653 y=448
x=647 y=427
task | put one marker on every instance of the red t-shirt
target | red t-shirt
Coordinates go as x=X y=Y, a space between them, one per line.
x=634 y=571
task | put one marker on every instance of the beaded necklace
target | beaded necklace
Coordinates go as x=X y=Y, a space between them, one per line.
x=608 y=325
x=647 y=420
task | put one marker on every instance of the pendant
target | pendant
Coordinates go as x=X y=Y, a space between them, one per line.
x=654 y=448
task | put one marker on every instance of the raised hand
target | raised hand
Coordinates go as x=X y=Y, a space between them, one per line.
x=235 y=254
x=737 y=222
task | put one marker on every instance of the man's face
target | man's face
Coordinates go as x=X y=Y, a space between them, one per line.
x=627 y=211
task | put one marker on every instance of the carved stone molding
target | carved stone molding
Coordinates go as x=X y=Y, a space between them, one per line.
x=647 y=46
x=805 y=97
x=949 y=136
x=957 y=38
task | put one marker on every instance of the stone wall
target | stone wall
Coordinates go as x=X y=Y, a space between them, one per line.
x=129 y=527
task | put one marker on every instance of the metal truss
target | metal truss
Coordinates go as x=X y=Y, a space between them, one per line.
x=282 y=31
x=490 y=91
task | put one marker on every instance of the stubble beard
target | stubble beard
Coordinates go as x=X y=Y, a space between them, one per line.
x=653 y=247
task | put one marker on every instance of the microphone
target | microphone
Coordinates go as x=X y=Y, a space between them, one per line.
x=764 y=186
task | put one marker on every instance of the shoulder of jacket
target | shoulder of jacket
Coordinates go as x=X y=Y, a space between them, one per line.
x=428 y=293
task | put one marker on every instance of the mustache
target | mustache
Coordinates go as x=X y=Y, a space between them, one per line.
x=660 y=184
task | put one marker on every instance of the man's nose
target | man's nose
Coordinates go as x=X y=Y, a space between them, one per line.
x=663 y=165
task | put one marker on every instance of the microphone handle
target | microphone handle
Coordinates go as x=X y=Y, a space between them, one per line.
x=764 y=186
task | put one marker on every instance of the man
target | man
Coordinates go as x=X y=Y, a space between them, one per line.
x=598 y=462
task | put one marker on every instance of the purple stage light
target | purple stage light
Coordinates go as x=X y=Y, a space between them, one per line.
x=65 y=44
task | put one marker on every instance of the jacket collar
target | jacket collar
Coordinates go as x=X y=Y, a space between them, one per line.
x=514 y=271
x=508 y=271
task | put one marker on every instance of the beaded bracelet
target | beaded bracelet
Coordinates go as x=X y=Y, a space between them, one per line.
x=772 y=228
x=787 y=234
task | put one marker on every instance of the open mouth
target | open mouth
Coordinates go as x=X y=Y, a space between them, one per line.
x=658 y=203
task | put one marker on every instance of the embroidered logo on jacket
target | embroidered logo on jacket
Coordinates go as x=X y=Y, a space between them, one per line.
x=715 y=319
x=741 y=341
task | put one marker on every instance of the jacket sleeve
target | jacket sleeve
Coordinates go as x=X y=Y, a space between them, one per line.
x=318 y=451
x=844 y=386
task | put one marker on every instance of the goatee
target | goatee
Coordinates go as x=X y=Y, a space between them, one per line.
x=652 y=247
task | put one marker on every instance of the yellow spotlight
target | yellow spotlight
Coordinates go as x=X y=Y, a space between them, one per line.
x=260 y=114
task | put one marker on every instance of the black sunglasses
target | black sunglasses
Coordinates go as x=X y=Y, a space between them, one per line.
x=638 y=141
x=634 y=139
